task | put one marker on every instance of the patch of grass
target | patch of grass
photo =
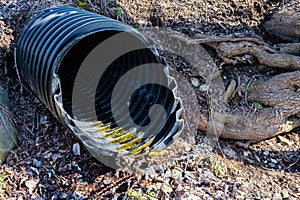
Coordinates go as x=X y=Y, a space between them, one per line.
x=215 y=166
x=211 y=103
x=4 y=182
x=83 y=4
x=120 y=11
x=256 y=105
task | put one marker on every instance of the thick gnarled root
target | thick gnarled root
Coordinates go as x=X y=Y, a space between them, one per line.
x=232 y=52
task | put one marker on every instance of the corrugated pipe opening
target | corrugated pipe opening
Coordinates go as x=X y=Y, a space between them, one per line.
x=102 y=79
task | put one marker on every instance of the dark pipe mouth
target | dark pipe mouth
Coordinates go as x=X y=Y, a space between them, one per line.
x=140 y=103
x=72 y=61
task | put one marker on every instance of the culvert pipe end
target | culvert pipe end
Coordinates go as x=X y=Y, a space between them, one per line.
x=102 y=79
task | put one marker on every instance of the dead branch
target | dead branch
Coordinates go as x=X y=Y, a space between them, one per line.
x=228 y=50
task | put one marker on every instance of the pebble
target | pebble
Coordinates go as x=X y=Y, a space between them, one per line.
x=76 y=149
x=285 y=194
x=274 y=161
x=266 y=153
x=285 y=141
x=195 y=82
x=246 y=153
x=272 y=165
x=142 y=22
x=107 y=181
x=63 y=196
x=31 y=185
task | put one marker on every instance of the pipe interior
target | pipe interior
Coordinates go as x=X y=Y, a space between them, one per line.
x=76 y=55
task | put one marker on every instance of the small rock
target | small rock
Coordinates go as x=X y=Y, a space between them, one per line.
x=285 y=194
x=238 y=185
x=255 y=195
x=246 y=153
x=107 y=181
x=63 y=196
x=230 y=90
x=266 y=153
x=272 y=165
x=158 y=179
x=168 y=173
x=122 y=197
x=8 y=135
x=285 y=141
x=273 y=161
x=31 y=185
x=76 y=149
x=142 y=22
x=244 y=145
x=186 y=180
x=204 y=183
x=195 y=82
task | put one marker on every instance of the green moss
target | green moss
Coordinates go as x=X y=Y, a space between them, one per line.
x=4 y=182
x=83 y=4
x=256 y=105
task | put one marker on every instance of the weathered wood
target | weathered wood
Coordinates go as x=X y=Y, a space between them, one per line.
x=285 y=23
x=264 y=55
x=290 y=48
x=281 y=112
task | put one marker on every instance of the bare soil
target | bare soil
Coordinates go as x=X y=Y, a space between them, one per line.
x=43 y=165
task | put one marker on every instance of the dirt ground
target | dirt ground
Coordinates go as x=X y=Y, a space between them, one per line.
x=43 y=165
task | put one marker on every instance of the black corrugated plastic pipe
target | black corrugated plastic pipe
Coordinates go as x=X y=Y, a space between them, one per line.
x=54 y=46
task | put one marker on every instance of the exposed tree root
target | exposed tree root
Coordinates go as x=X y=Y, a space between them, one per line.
x=290 y=48
x=228 y=50
x=285 y=23
x=280 y=95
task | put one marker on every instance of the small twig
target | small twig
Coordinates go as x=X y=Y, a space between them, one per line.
x=292 y=164
x=239 y=85
x=19 y=78
x=195 y=75
x=33 y=120
x=105 y=191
